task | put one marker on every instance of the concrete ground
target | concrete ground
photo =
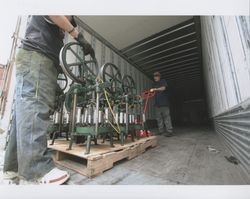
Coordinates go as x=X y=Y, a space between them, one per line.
x=182 y=159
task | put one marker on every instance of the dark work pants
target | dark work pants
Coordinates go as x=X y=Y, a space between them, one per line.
x=163 y=118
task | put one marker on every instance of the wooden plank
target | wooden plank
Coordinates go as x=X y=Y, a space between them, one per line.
x=101 y=148
x=101 y=158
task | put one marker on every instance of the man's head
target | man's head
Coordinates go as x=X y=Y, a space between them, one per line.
x=157 y=76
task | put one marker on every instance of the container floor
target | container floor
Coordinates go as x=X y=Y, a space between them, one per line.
x=182 y=159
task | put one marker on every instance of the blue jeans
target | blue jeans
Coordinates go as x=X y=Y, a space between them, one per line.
x=36 y=77
x=163 y=118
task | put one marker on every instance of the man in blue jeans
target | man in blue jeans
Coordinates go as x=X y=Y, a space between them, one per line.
x=161 y=104
x=37 y=69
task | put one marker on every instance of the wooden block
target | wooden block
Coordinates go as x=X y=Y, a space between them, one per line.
x=59 y=156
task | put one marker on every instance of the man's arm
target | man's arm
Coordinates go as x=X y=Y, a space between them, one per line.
x=64 y=23
x=158 y=89
x=162 y=87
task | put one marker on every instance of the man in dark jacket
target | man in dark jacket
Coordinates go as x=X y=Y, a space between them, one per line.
x=161 y=104
x=37 y=69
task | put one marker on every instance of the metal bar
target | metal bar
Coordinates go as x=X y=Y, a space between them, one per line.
x=166 y=56
x=157 y=46
x=72 y=128
x=153 y=68
x=127 y=118
x=97 y=108
x=165 y=50
x=177 y=27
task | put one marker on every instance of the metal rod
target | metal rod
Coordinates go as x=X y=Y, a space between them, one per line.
x=88 y=144
x=78 y=115
x=122 y=138
x=111 y=139
x=97 y=109
x=53 y=138
x=61 y=119
x=72 y=127
x=127 y=116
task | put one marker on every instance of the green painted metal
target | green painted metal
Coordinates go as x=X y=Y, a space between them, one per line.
x=90 y=130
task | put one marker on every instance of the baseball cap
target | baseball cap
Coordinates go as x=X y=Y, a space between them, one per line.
x=157 y=74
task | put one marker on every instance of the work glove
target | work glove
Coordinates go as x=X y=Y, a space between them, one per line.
x=87 y=49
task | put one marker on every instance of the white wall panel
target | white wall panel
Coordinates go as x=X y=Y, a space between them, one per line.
x=226 y=67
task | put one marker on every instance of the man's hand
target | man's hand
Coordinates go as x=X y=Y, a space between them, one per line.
x=92 y=53
x=86 y=46
x=158 y=89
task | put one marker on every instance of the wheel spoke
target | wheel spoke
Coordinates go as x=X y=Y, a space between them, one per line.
x=107 y=74
x=77 y=56
x=90 y=62
x=74 y=64
x=90 y=71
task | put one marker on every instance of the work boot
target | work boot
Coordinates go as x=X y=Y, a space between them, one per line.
x=10 y=178
x=160 y=133
x=168 y=134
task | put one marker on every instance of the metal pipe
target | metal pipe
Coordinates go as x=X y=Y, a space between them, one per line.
x=89 y=115
x=94 y=116
x=121 y=117
x=106 y=116
x=82 y=118
x=56 y=117
x=85 y=116
x=67 y=118
x=97 y=108
x=100 y=117
x=61 y=119
x=72 y=127
x=78 y=115
x=127 y=119
x=74 y=113
x=133 y=118
x=88 y=144
x=116 y=117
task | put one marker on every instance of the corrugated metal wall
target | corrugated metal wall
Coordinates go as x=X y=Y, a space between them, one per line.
x=234 y=127
x=104 y=53
x=226 y=62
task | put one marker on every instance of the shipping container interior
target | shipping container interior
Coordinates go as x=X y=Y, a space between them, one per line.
x=170 y=45
x=205 y=61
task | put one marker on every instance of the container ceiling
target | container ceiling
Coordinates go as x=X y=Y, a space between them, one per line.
x=136 y=28
x=168 y=44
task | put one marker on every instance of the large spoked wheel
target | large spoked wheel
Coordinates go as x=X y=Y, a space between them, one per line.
x=76 y=65
x=111 y=74
x=128 y=85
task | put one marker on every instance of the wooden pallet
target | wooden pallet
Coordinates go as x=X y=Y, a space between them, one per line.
x=101 y=158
